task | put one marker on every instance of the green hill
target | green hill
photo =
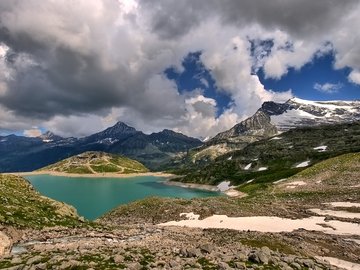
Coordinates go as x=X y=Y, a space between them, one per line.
x=97 y=162
x=22 y=206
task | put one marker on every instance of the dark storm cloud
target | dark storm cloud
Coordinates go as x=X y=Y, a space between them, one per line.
x=66 y=66
x=171 y=18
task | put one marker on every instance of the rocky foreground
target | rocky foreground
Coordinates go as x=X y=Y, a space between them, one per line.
x=130 y=237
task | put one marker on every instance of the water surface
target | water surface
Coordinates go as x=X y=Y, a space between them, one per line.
x=93 y=197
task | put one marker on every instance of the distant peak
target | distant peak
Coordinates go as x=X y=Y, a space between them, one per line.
x=118 y=128
x=122 y=124
x=50 y=136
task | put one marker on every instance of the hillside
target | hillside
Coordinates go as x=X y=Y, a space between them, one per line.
x=328 y=191
x=22 y=206
x=280 y=156
x=97 y=162
x=130 y=237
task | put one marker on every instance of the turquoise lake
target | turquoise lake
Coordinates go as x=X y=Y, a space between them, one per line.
x=93 y=197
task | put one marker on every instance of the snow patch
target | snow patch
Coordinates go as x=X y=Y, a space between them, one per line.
x=303 y=164
x=340 y=263
x=275 y=138
x=248 y=182
x=262 y=169
x=269 y=224
x=279 y=181
x=247 y=167
x=296 y=184
x=229 y=158
x=343 y=204
x=357 y=241
x=340 y=214
x=225 y=185
x=321 y=148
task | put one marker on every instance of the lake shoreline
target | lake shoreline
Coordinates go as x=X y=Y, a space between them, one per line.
x=96 y=175
x=230 y=192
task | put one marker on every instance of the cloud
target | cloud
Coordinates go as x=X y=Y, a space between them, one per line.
x=354 y=76
x=328 y=88
x=76 y=68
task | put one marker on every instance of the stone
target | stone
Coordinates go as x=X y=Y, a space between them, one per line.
x=118 y=259
x=134 y=266
x=206 y=248
x=174 y=264
x=296 y=266
x=266 y=250
x=193 y=252
x=223 y=266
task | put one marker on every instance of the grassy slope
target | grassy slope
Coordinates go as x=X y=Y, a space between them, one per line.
x=22 y=206
x=280 y=156
x=97 y=162
x=338 y=176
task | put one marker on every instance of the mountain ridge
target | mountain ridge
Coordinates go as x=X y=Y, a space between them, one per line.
x=18 y=153
x=273 y=118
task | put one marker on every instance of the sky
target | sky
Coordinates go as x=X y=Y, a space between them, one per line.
x=197 y=67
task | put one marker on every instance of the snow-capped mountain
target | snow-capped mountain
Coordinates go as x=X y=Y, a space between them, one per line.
x=298 y=112
x=273 y=118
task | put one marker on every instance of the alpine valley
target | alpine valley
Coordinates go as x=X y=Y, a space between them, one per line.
x=289 y=174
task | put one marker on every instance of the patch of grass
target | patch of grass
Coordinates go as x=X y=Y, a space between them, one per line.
x=206 y=264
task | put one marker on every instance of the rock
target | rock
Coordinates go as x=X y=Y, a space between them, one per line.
x=69 y=264
x=258 y=257
x=174 y=264
x=266 y=250
x=242 y=257
x=160 y=264
x=206 y=248
x=118 y=259
x=134 y=266
x=5 y=244
x=34 y=260
x=223 y=266
x=308 y=263
x=296 y=266
x=193 y=252
x=41 y=266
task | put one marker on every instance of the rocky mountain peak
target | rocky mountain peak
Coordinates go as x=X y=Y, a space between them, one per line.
x=118 y=129
x=257 y=125
x=49 y=136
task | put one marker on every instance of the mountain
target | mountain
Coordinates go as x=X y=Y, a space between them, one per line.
x=274 y=118
x=298 y=112
x=279 y=156
x=18 y=153
x=97 y=162
x=48 y=136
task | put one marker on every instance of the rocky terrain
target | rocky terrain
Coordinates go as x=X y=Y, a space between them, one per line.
x=136 y=236
x=96 y=162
